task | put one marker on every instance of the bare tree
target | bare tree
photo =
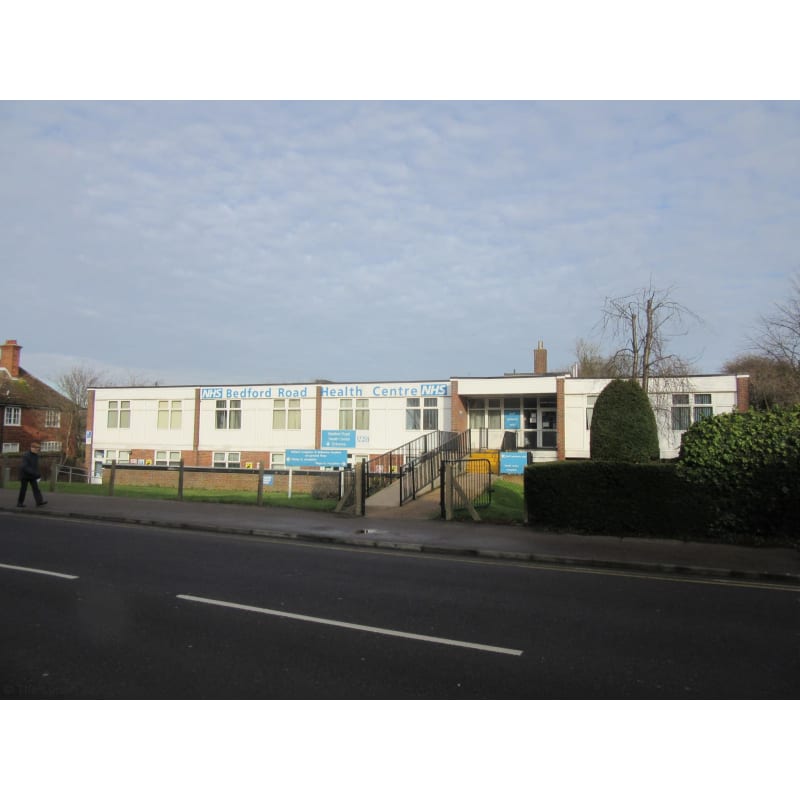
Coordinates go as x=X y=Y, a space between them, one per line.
x=643 y=323
x=778 y=336
x=591 y=363
x=75 y=384
x=772 y=383
x=138 y=379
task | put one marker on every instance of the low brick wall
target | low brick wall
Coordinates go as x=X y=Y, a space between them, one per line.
x=239 y=480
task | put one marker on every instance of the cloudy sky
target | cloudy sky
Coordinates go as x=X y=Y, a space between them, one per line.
x=226 y=242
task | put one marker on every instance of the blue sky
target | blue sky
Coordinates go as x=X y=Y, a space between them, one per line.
x=244 y=242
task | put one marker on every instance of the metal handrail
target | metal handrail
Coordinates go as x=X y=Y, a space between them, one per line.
x=415 y=464
x=82 y=474
x=424 y=471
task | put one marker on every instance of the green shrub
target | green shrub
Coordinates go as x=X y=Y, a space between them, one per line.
x=749 y=465
x=624 y=425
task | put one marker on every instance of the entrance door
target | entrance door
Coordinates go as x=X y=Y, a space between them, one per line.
x=540 y=421
x=530 y=418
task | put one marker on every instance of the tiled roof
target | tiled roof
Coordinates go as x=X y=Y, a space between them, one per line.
x=28 y=391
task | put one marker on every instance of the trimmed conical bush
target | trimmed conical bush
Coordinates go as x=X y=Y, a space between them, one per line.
x=624 y=425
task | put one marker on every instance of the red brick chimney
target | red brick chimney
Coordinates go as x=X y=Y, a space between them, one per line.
x=540 y=359
x=9 y=357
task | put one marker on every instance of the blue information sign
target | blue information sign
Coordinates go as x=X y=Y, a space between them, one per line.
x=316 y=458
x=513 y=463
x=339 y=439
x=512 y=420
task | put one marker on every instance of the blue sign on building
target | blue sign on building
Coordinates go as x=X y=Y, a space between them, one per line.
x=512 y=420
x=513 y=463
x=339 y=439
x=316 y=458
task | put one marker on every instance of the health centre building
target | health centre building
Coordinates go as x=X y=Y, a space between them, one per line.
x=334 y=425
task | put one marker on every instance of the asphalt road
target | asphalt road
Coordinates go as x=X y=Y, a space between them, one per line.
x=116 y=611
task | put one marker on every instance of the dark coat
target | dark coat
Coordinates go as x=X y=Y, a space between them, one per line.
x=30 y=466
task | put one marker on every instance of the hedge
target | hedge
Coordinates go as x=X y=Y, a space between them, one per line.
x=749 y=466
x=616 y=498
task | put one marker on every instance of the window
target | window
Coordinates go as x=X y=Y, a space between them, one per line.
x=485 y=413
x=680 y=412
x=494 y=414
x=362 y=415
x=413 y=414
x=286 y=417
x=702 y=407
x=590 y=401
x=229 y=414
x=13 y=415
x=227 y=460
x=430 y=414
x=354 y=420
x=51 y=447
x=11 y=447
x=477 y=414
x=278 y=460
x=120 y=456
x=119 y=413
x=170 y=414
x=52 y=419
x=168 y=458
x=346 y=420
x=688 y=408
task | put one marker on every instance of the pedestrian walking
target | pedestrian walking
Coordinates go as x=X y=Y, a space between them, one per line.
x=29 y=474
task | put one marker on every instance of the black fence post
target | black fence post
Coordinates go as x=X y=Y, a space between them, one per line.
x=112 y=478
x=180 y=480
x=442 y=469
x=260 y=496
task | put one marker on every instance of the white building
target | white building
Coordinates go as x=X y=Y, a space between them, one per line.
x=546 y=415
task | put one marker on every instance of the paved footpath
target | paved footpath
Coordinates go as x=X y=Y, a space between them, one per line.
x=406 y=530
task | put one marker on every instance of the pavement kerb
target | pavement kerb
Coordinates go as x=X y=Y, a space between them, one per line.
x=355 y=540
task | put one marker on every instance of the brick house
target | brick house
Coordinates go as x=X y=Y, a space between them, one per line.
x=30 y=410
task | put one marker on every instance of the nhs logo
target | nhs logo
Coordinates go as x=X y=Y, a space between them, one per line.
x=211 y=393
x=433 y=389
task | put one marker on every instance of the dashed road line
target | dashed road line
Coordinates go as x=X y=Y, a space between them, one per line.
x=353 y=626
x=39 y=571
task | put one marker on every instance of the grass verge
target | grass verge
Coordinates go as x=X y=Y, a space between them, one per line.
x=276 y=499
x=507 y=506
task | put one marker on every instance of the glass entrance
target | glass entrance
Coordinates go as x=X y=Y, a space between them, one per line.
x=525 y=423
x=540 y=420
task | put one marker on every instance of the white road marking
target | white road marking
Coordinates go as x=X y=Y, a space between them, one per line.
x=352 y=626
x=39 y=571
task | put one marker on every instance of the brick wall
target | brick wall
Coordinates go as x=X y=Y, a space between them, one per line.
x=33 y=428
x=742 y=392
x=203 y=458
x=459 y=419
x=303 y=482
